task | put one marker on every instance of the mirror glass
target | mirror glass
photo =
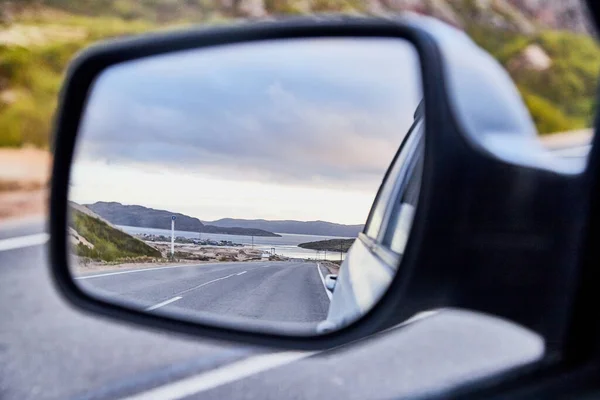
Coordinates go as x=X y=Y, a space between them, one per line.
x=232 y=185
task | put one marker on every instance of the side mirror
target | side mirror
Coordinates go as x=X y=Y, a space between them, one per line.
x=173 y=149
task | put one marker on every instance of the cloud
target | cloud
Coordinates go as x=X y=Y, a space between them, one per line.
x=320 y=112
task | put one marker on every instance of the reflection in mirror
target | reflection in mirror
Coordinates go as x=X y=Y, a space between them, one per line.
x=232 y=184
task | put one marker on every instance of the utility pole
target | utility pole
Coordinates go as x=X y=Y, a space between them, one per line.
x=173 y=236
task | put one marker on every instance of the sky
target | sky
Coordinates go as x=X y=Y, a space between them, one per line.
x=292 y=129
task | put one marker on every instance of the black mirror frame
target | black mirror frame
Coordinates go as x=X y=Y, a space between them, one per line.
x=466 y=251
x=92 y=62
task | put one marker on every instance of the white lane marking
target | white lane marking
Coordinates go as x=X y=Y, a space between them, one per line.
x=164 y=303
x=132 y=271
x=220 y=376
x=20 y=222
x=206 y=283
x=23 y=241
x=241 y=369
x=241 y=273
x=323 y=282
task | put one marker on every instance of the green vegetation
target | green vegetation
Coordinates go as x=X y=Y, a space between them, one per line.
x=546 y=115
x=46 y=34
x=561 y=97
x=110 y=244
x=342 y=245
x=31 y=72
x=184 y=255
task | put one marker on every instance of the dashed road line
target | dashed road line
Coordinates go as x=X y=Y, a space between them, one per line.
x=205 y=283
x=220 y=376
x=164 y=303
x=20 y=242
x=132 y=271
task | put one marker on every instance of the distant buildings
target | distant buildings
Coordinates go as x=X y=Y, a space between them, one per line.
x=180 y=239
x=210 y=242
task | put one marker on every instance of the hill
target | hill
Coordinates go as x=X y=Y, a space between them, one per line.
x=513 y=14
x=545 y=45
x=98 y=240
x=320 y=228
x=334 y=245
x=144 y=217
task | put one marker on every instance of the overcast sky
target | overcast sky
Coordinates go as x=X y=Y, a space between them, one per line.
x=297 y=129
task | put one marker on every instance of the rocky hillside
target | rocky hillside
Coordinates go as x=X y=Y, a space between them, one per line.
x=525 y=15
x=556 y=14
x=545 y=45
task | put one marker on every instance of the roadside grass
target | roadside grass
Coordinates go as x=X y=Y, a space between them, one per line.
x=110 y=244
x=31 y=72
x=190 y=256
x=562 y=97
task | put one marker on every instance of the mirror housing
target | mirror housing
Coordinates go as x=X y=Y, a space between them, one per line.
x=483 y=247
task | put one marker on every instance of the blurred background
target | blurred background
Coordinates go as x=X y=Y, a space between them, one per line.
x=546 y=45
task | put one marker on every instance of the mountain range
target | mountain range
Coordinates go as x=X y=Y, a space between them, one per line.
x=144 y=217
x=321 y=228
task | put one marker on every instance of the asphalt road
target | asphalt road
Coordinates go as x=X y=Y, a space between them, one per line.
x=50 y=351
x=262 y=291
